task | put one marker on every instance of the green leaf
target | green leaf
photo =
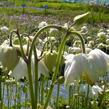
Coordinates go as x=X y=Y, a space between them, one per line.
x=78 y=17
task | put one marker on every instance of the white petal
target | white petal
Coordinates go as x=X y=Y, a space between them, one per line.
x=20 y=70
x=42 y=24
x=97 y=64
x=75 y=68
x=96 y=90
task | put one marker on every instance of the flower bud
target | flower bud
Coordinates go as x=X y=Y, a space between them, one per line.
x=8 y=57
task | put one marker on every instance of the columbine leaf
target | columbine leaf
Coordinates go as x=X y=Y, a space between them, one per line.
x=80 y=16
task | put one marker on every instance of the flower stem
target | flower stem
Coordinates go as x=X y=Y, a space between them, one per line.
x=29 y=61
x=31 y=86
x=57 y=98
x=61 y=48
x=81 y=39
x=42 y=91
x=0 y=88
x=36 y=77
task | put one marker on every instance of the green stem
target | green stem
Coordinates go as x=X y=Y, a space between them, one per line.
x=70 y=95
x=8 y=95
x=87 y=97
x=36 y=77
x=31 y=86
x=42 y=91
x=21 y=46
x=20 y=41
x=61 y=48
x=81 y=39
x=57 y=99
x=29 y=61
x=0 y=89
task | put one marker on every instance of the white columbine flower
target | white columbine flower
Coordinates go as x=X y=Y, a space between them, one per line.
x=74 y=67
x=84 y=29
x=4 y=29
x=21 y=69
x=90 y=66
x=107 y=41
x=42 y=24
x=101 y=34
x=53 y=30
x=66 y=26
x=94 y=90
x=97 y=65
x=74 y=50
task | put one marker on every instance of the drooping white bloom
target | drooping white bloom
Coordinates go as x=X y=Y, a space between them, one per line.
x=5 y=43
x=42 y=24
x=93 y=92
x=74 y=67
x=8 y=57
x=77 y=44
x=21 y=69
x=83 y=89
x=107 y=31
x=107 y=41
x=92 y=2
x=98 y=62
x=74 y=50
x=91 y=44
x=96 y=90
x=101 y=34
x=90 y=66
x=66 y=26
x=53 y=30
x=49 y=39
x=88 y=49
x=4 y=29
x=84 y=29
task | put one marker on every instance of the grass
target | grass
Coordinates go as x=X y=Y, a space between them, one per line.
x=98 y=14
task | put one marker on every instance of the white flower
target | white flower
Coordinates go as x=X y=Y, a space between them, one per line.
x=91 y=44
x=101 y=34
x=92 y=2
x=84 y=29
x=83 y=89
x=74 y=67
x=4 y=29
x=8 y=56
x=77 y=43
x=21 y=69
x=89 y=66
x=88 y=49
x=66 y=26
x=97 y=63
x=107 y=41
x=107 y=30
x=49 y=39
x=94 y=90
x=53 y=30
x=6 y=43
x=42 y=24
x=74 y=50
